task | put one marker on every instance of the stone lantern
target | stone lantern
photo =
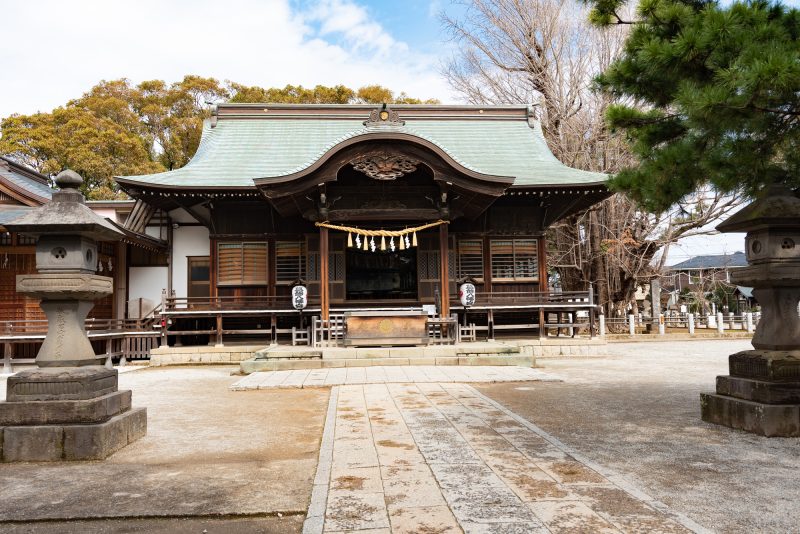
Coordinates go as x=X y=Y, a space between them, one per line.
x=762 y=392
x=69 y=408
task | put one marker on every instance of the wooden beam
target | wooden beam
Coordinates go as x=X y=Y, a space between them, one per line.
x=444 y=270
x=324 y=285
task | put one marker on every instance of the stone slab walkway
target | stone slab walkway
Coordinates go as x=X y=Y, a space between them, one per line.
x=390 y=374
x=442 y=457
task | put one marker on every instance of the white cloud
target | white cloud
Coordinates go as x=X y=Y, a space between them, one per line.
x=256 y=42
x=355 y=25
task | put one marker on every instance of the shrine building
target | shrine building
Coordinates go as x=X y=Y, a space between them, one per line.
x=371 y=207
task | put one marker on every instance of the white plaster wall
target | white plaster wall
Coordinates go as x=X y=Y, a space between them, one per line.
x=186 y=241
x=147 y=283
x=180 y=215
x=159 y=232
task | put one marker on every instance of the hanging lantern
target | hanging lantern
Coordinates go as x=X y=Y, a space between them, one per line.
x=414 y=240
x=383 y=242
x=299 y=295
x=466 y=293
x=349 y=240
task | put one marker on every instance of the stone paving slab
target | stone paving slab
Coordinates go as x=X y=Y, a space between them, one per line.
x=414 y=374
x=441 y=457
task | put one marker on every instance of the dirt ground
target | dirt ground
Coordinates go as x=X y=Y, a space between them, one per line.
x=638 y=412
x=232 y=461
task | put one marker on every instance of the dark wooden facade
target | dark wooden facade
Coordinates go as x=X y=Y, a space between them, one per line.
x=263 y=237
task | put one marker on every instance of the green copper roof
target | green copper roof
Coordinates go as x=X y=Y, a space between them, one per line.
x=239 y=149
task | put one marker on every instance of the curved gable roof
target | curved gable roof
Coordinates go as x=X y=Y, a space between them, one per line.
x=251 y=141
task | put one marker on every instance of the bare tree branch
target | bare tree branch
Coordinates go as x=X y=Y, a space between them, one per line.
x=546 y=52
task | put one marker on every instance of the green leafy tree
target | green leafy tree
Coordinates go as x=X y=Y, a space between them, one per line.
x=69 y=137
x=117 y=128
x=712 y=96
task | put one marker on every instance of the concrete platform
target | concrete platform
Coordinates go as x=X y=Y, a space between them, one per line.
x=498 y=353
x=277 y=357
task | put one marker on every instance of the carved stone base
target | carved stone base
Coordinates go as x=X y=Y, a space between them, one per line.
x=61 y=383
x=762 y=394
x=67 y=413
x=771 y=365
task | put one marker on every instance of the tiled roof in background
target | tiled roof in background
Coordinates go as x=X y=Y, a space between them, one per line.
x=718 y=261
x=21 y=177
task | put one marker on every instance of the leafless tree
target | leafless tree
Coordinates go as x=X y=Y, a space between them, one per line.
x=545 y=52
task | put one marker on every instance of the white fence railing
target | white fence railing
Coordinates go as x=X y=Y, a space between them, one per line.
x=637 y=323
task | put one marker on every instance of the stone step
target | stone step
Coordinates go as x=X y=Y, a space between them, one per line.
x=254 y=365
x=759 y=390
x=764 y=419
x=96 y=410
x=289 y=353
x=53 y=443
x=433 y=351
x=202 y=355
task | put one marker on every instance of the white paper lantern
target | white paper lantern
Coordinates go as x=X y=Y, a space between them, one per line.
x=299 y=297
x=466 y=293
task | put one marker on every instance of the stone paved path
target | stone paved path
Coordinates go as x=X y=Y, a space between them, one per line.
x=441 y=458
x=390 y=374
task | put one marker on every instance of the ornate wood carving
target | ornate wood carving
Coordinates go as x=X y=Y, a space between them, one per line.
x=382 y=166
x=385 y=116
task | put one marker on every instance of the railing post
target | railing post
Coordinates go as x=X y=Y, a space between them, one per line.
x=164 y=318
x=591 y=311
x=720 y=323
x=748 y=317
x=662 y=327
x=690 y=321
x=632 y=324
x=490 y=324
x=219 y=331
x=109 y=359
x=571 y=328
x=7 y=369
x=602 y=325
x=730 y=320
x=712 y=320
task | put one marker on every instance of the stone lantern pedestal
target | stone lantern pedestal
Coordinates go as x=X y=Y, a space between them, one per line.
x=762 y=392
x=70 y=408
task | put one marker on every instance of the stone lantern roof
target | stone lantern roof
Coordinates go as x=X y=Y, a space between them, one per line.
x=67 y=213
x=778 y=208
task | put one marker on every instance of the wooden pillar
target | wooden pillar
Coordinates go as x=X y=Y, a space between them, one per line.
x=542 y=254
x=324 y=283
x=444 y=269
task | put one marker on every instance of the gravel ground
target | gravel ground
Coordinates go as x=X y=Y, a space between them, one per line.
x=638 y=412
x=231 y=461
